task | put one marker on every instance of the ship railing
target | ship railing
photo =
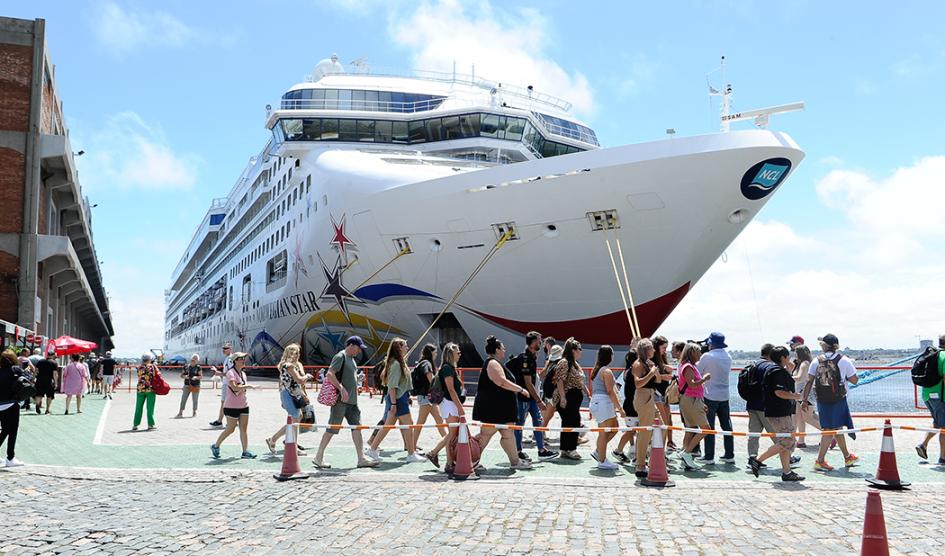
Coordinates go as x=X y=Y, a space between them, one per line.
x=452 y=77
x=570 y=133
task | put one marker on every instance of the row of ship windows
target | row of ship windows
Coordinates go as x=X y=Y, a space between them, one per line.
x=353 y=99
x=421 y=131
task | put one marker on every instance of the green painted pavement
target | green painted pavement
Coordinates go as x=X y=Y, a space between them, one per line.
x=68 y=440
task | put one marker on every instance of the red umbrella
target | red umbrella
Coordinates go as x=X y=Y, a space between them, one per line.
x=67 y=345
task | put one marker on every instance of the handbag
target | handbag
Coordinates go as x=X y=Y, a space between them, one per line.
x=300 y=402
x=194 y=388
x=328 y=395
x=436 y=394
x=308 y=415
x=158 y=384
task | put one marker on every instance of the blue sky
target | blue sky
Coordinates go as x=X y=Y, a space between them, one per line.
x=168 y=98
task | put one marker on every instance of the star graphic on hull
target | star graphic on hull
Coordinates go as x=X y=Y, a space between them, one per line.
x=334 y=288
x=333 y=338
x=340 y=240
x=299 y=262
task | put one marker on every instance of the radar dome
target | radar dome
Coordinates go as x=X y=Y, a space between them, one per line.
x=327 y=66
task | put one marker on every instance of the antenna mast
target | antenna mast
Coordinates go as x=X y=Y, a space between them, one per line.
x=725 y=93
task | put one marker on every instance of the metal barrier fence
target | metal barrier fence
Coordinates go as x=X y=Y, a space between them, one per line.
x=880 y=389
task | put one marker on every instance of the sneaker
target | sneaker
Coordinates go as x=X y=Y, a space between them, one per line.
x=641 y=473
x=801 y=445
x=449 y=469
x=215 y=450
x=547 y=454
x=152 y=428
x=595 y=457
x=795 y=460
x=272 y=446
x=697 y=452
x=822 y=466
x=754 y=465
x=621 y=457
x=522 y=464
x=373 y=454
x=748 y=465
x=14 y=463
x=792 y=476
x=671 y=447
x=941 y=461
x=524 y=456
x=216 y=424
x=415 y=458
x=434 y=459
x=570 y=454
x=607 y=466
x=688 y=461
x=920 y=449
x=299 y=447
x=134 y=428
x=248 y=455
x=851 y=460
x=582 y=440
x=727 y=460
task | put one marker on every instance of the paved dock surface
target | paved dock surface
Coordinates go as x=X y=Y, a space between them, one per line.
x=94 y=486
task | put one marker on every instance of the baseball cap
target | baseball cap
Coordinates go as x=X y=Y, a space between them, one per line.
x=829 y=339
x=240 y=355
x=356 y=341
x=147 y=357
x=795 y=340
x=557 y=352
x=227 y=345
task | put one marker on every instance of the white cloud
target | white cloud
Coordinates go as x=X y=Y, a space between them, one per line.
x=139 y=323
x=122 y=29
x=639 y=71
x=830 y=160
x=130 y=153
x=871 y=274
x=504 y=46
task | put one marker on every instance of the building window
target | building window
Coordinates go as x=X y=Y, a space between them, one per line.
x=277 y=268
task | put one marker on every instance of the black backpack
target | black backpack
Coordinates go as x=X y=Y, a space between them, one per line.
x=421 y=386
x=749 y=387
x=925 y=368
x=828 y=383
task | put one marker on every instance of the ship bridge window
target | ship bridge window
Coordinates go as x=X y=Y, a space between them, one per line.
x=425 y=131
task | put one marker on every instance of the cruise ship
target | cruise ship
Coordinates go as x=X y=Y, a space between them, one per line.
x=450 y=207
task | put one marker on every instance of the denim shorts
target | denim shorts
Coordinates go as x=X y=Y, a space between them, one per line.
x=288 y=405
x=403 y=405
x=423 y=400
x=937 y=409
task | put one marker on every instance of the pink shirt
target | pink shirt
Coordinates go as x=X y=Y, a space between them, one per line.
x=691 y=391
x=235 y=400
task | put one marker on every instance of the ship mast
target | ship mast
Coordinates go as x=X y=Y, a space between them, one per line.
x=760 y=116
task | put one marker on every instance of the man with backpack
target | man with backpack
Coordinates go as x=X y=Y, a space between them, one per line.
x=829 y=374
x=751 y=389
x=524 y=367
x=929 y=373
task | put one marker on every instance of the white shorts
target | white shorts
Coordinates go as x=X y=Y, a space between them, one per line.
x=109 y=379
x=602 y=408
x=632 y=421
x=448 y=409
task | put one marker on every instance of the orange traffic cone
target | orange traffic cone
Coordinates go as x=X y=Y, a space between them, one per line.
x=657 y=476
x=887 y=476
x=290 y=456
x=463 y=468
x=875 y=542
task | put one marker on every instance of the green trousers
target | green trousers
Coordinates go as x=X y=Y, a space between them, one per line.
x=139 y=405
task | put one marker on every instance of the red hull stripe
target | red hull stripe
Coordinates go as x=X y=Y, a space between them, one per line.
x=611 y=328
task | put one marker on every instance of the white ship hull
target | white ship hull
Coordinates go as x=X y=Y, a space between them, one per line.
x=679 y=202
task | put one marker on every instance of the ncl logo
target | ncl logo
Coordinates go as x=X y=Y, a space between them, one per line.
x=769 y=175
x=762 y=178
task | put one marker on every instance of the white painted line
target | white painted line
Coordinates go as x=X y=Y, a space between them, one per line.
x=100 y=430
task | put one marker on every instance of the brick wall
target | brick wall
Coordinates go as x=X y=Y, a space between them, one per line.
x=12 y=177
x=16 y=68
x=51 y=121
x=9 y=267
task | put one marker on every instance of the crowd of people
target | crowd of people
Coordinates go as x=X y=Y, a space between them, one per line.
x=785 y=391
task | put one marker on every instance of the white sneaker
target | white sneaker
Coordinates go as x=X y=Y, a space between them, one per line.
x=14 y=463
x=688 y=462
x=608 y=465
x=595 y=456
x=373 y=454
x=415 y=458
x=522 y=464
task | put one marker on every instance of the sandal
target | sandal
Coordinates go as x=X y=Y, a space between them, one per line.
x=321 y=465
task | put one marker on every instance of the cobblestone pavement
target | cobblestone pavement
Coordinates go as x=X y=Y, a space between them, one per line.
x=93 y=486
x=52 y=512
